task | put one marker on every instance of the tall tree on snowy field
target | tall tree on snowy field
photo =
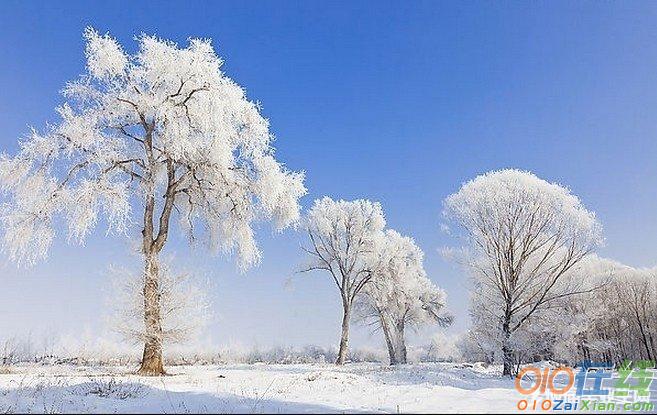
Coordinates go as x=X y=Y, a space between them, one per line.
x=525 y=235
x=163 y=129
x=344 y=241
x=401 y=295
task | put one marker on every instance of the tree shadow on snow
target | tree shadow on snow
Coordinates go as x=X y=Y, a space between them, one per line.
x=134 y=397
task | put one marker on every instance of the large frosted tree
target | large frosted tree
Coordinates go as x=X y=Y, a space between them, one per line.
x=345 y=239
x=145 y=137
x=525 y=236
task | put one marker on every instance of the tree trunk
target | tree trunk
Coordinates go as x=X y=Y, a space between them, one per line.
x=652 y=345
x=507 y=356
x=644 y=338
x=152 y=363
x=344 y=338
x=386 y=333
x=401 y=343
x=507 y=353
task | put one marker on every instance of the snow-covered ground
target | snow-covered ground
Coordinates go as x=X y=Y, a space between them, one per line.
x=258 y=388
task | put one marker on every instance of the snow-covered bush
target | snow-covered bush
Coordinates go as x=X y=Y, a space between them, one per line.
x=111 y=388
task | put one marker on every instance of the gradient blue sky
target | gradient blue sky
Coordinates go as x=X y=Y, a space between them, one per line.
x=398 y=102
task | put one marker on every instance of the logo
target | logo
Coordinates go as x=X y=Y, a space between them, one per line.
x=594 y=386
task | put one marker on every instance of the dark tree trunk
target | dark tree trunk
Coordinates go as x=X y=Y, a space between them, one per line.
x=642 y=330
x=507 y=352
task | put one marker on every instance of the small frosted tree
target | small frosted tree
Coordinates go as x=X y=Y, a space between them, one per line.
x=184 y=305
x=401 y=295
x=144 y=137
x=344 y=242
x=524 y=235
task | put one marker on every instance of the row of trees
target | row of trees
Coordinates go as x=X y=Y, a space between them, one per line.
x=163 y=133
x=538 y=289
x=614 y=323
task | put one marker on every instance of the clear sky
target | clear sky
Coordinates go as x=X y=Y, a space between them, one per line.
x=398 y=102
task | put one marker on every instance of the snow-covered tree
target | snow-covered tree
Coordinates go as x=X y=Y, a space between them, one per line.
x=575 y=318
x=639 y=301
x=614 y=323
x=345 y=238
x=401 y=295
x=524 y=236
x=144 y=137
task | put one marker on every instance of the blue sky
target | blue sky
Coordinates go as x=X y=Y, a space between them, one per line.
x=398 y=102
